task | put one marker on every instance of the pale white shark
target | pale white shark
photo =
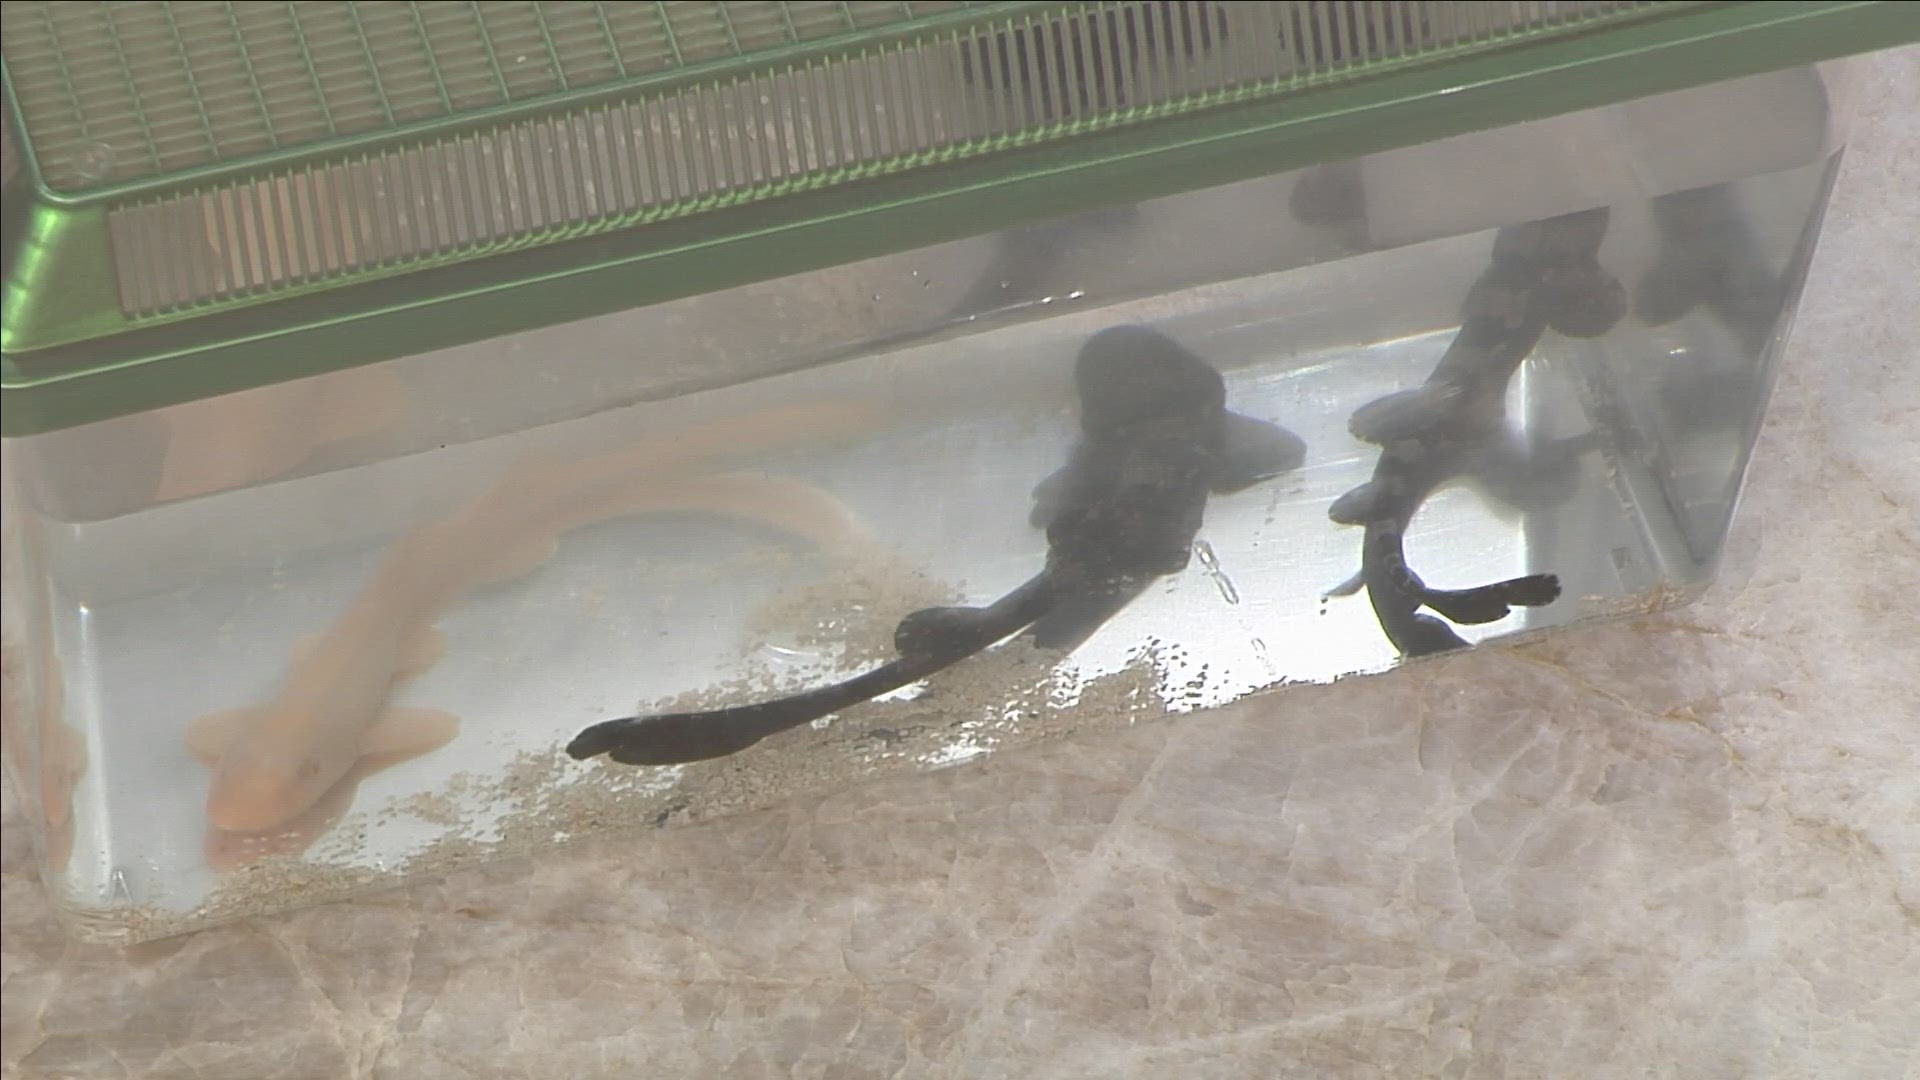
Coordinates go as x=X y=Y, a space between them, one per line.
x=333 y=719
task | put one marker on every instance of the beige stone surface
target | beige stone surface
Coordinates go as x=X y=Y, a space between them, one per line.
x=1683 y=846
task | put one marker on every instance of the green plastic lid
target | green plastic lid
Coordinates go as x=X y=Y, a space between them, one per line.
x=216 y=196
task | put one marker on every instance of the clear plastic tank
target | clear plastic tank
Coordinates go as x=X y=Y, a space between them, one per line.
x=1484 y=386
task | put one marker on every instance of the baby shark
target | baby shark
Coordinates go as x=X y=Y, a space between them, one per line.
x=333 y=718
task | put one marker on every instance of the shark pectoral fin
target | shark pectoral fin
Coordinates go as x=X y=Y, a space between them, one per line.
x=1427 y=636
x=1348 y=587
x=420 y=653
x=232 y=850
x=209 y=736
x=402 y=734
x=951 y=633
x=1256 y=450
x=1361 y=505
x=1405 y=414
x=938 y=631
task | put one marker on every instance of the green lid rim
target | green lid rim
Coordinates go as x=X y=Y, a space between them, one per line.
x=546 y=285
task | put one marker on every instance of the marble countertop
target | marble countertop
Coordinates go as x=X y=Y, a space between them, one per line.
x=1686 y=845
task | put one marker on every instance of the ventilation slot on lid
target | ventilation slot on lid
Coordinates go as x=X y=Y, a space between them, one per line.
x=118 y=93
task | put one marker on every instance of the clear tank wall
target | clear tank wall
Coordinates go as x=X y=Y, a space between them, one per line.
x=1534 y=356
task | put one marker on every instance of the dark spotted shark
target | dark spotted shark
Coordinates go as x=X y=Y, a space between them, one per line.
x=1544 y=275
x=1156 y=441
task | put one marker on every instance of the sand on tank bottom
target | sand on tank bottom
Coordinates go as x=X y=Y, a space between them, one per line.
x=541 y=801
x=1009 y=697
x=840 y=623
